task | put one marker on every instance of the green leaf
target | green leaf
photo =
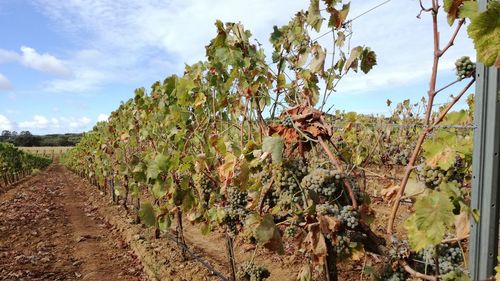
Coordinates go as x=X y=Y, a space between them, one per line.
x=484 y=30
x=275 y=146
x=314 y=18
x=159 y=189
x=428 y=225
x=281 y=81
x=162 y=161
x=468 y=10
x=147 y=214
x=164 y=222
x=268 y=235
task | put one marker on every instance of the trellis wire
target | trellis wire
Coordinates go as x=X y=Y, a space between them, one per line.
x=384 y=125
x=197 y=257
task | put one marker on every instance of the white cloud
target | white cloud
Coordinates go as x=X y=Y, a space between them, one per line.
x=5 y=123
x=4 y=83
x=40 y=123
x=102 y=117
x=6 y=56
x=44 y=62
x=138 y=42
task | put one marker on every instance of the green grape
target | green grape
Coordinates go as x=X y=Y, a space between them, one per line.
x=249 y=271
x=394 y=275
x=290 y=231
x=464 y=67
x=324 y=182
x=349 y=217
x=204 y=186
x=287 y=122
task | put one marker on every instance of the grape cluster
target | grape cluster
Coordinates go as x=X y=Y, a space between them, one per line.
x=286 y=188
x=396 y=154
x=235 y=210
x=327 y=209
x=400 y=249
x=394 y=275
x=322 y=181
x=349 y=216
x=289 y=173
x=449 y=259
x=236 y=198
x=204 y=186
x=287 y=122
x=249 y=271
x=358 y=194
x=464 y=67
x=290 y=231
x=233 y=218
x=342 y=245
x=433 y=177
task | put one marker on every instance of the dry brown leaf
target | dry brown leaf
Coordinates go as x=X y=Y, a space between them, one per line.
x=390 y=193
x=462 y=225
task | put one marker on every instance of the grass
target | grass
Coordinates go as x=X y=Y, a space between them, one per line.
x=46 y=150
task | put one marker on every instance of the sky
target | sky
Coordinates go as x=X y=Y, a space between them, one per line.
x=65 y=65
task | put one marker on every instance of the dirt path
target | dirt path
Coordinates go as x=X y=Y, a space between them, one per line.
x=49 y=231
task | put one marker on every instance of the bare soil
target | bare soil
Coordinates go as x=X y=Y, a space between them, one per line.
x=56 y=226
x=48 y=232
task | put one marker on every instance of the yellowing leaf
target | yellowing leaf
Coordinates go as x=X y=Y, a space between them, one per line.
x=318 y=60
x=275 y=146
x=484 y=30
x=462 y=225
x=433 y=216
x=314 y=18
x=200 y=99
x=267 y=234
x=443 y=159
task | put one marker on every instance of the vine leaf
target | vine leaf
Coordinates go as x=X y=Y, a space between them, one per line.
x=318 y=60
x=368 y=60
x=338 y=17
x=452 y=8
x=266 y=232
x=468 y=10
x=314 y=18
x=462 y=224
x=274 y=145
x=497 y=269
x=315 y=243
x=352 y=61
x=427 y=226
x=305 y=273
x=484 y=30
x=437 y=156
x=147 y=214
x=159 y=189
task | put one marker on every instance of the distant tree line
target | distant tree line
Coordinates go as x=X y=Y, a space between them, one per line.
x=25 y=138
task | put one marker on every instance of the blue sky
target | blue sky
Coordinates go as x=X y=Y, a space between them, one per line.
x=64 y=65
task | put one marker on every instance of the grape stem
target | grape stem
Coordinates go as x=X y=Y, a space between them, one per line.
x=429 y=124
x=417 y=274
x=339 y=167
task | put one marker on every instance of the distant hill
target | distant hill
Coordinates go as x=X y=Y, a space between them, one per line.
x=25 y=138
